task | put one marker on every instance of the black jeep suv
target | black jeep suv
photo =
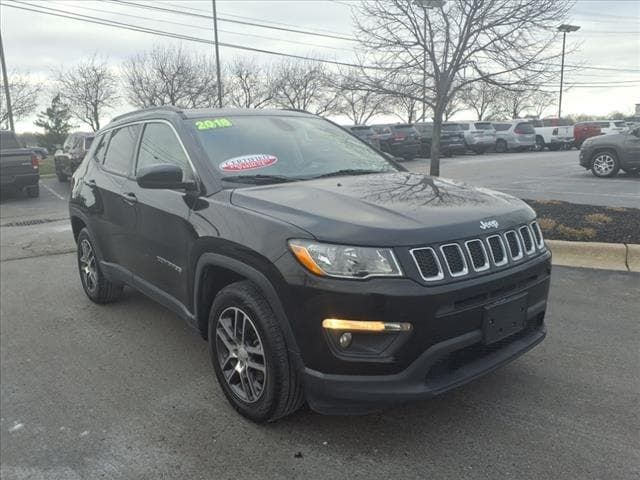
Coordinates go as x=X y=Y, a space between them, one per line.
x=317 y=269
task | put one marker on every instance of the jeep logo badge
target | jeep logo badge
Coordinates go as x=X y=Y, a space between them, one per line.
x=489 y=224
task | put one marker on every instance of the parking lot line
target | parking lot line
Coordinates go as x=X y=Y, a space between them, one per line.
x=51 y=190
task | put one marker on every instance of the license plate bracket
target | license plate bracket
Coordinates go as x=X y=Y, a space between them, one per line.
x=504 y=318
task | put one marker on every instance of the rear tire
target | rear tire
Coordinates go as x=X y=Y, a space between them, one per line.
x=33 y=191
x=605 y=164
x=62 y=177
x=540 y=145
x=96 y=286
x=501 y=146
x=254 y=371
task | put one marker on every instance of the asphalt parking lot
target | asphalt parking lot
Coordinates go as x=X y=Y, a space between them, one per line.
x=127 y=391
x=539 y=176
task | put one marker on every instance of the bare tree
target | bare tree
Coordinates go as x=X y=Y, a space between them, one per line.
x=541 y=101
x=304 y=85
x=359 y=106
x=248 y=85
x=24 y=97
x=482 y=98
x=90 y=89
x=405 y=107
x=170 y=76
x=455 y=44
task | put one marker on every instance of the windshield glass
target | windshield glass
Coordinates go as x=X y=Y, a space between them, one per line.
x=283 y=148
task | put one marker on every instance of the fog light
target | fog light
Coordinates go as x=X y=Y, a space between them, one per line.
x=345 y=339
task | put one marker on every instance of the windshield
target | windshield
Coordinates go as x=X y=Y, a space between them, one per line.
x=282 y=148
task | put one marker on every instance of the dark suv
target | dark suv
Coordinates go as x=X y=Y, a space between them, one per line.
x=317 y=269
x=402 y=140
x=70 y=156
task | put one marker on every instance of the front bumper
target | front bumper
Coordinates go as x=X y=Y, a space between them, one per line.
x=445 y=348
x=585 y=158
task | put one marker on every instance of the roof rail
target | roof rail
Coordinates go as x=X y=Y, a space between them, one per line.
x=299 y=110
x=166 y=108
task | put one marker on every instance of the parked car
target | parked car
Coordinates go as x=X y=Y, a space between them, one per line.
x=584 y=130
x=514 y=135
x=366 y=133
x=19 y=167
x=479 y=137
x=609 y=127
x=317 y=269
x=401 y=141
x=67 y=159
x=553 y=133
x=451 y=139
x=605 y=155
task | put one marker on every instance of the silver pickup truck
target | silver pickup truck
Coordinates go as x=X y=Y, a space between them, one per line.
x=19 y=167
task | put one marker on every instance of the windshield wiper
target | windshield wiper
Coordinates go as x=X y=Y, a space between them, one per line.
x=259 y=179
x=348 y=171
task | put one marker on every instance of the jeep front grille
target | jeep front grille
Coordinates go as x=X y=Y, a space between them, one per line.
x=477 y=255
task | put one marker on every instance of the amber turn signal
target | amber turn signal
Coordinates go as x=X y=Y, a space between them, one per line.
x=364 y=326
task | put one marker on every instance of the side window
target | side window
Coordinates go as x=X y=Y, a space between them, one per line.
x=464 y=126
x=101 y=142
x=121 y=149
x=159 y=144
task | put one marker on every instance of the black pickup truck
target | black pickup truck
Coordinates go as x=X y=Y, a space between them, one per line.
x=19 y=167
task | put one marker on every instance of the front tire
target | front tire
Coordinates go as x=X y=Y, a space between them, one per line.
x=539 y=146
x=250 y=355
x=96 y=286
x=605 y=164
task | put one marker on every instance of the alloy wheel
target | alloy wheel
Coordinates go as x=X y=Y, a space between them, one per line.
x=604 y=164
x=88 y=266
x=241 y=354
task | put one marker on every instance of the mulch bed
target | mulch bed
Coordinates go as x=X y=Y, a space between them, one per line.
x=588 y=223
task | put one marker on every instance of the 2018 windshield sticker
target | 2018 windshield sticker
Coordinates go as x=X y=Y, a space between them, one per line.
x=248 y=162
x=213 y=123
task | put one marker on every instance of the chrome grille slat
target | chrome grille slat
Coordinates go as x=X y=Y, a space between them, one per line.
x=527 y=239
x=513 y=244
x=537 y=235
x=477 y=255
x=454 y=259
x=427 y=261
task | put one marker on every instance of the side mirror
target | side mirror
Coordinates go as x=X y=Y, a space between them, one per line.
x=162 y=175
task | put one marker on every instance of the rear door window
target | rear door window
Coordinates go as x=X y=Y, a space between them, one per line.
x=464 y=126
x=525 y=128
x=121 y=149
x=483 y=126
x=500 y=127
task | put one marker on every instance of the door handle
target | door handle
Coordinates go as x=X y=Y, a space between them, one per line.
x=130 y=198
x=90 y=183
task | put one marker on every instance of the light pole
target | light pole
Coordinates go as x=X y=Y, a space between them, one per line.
x=5 y=80
x=426 y=5
x=564 y=28
x=215 y=35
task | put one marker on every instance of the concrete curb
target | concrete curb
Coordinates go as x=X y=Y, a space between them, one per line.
x=607 y=256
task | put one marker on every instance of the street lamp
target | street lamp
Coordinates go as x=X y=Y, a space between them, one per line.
x=426 y=5
x=564 y=28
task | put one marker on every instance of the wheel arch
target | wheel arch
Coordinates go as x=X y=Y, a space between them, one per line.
x=599 y=150
x=230 y=270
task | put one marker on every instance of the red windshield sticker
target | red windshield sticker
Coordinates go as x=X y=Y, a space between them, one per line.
x=248 y=162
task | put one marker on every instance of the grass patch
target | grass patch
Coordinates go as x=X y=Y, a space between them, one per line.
x=578 y=234
x=598 y=219
x=47 y=166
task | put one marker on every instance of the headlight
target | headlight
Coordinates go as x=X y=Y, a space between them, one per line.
x=344 y=261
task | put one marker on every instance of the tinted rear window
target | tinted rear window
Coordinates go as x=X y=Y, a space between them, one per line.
x=8 y=140
x=404 y=128
x=525 y=128
x=484 y=126
x=120 y=151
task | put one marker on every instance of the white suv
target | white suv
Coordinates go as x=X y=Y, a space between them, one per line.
x=479 y=136
x=609 y=127
x=514 y=135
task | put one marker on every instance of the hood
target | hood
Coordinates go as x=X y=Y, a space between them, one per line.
x=387 y=209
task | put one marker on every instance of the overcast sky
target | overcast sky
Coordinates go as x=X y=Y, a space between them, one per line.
x=35 y=43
